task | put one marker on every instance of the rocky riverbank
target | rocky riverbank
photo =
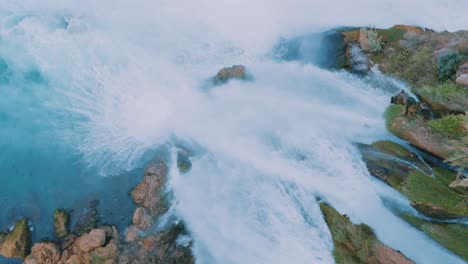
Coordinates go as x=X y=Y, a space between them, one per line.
x=432 y=117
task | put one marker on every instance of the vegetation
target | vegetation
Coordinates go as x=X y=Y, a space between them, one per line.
x=424 y=190
x=391 y=114
x=454 y=237
x=450 y=125
x=374 y=41
x=458 y=153
x=447 y=65
x=392 y=34
x=415 y=66
x=353 y=243
x=445 y=97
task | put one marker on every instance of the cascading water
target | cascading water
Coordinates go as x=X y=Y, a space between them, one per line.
x=89 y=89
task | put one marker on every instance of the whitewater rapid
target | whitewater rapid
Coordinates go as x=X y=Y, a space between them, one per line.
x=113 y=80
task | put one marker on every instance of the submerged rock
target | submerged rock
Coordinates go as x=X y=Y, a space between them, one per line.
x=235 y=72
x=88 y=218
x=17 y=243
x=61 y=223
x=358 y=243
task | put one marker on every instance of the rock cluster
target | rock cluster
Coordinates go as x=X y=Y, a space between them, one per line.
x=93 y=243
x=225 y=74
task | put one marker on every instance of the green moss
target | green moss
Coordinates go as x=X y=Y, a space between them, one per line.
x=445 y=96
x=61 y=222
x=391 y=114
x=451 y=125
x=17 y=243
x=392 y=148
x=454 y=237
x=392 y=34
x=353 y=243
x=425 y=190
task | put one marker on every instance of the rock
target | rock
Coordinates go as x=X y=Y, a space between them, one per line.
x=358 y=243
x=462 y=74
x=411 y=29
x=460 y=183
x=92 y=240
x=358 y=60
x=88 y=218
x=142 y=218
x=61 y=223
x=228 y=73
x=17 y=243
x=161 y=247
x=183 y=161
x=149 y=193
x=132 y=234
x=401 y=98
x=412 y=108
x=387 y=255
x=107 y=254
x=43 y=253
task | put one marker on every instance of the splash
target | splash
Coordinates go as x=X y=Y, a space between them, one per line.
x=114 y=80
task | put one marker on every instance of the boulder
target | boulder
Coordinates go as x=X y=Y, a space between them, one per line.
x=462 y=74
x=401 y=98
x=17 y=243
x=225 y=74
x=43 y=253
x=142 y=218
x=92 y=240
x=149 y=193
x=61 y=223
x=107 y=254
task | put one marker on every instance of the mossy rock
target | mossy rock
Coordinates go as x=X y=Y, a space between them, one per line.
x=403 y=170
x=17 y=243
x=61 y=223
x=183 y=161
x=357 y=243
x=431 y=197
x=452 y=236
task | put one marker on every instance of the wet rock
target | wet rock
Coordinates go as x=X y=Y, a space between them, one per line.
x=358 y=243
x=161 y=247
x=142 y=218
x=17 y=243
x=225 y=74
x=462 y=74
x=150 y=191
x=183 y=161
x=92 y=240
x=107 y=254
x=132 y=234
x=43 y=253
x=61 y=223
x=401 y=98
x=412 y=108
x=88 y=218
x=358 y=60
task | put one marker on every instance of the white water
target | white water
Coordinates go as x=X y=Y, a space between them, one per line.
x=124 y=77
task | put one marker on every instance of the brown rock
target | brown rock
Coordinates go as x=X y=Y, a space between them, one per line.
x=17 y=243
x=107 y=254
x=78 y=259
x=61 y=223
x=462 y=74
x=43 y=253
x=401 y=98
x=149 y=193
x=94 y=239
x=387 y=255
x=142 y=218
x=227 y=73
x=132 y=234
